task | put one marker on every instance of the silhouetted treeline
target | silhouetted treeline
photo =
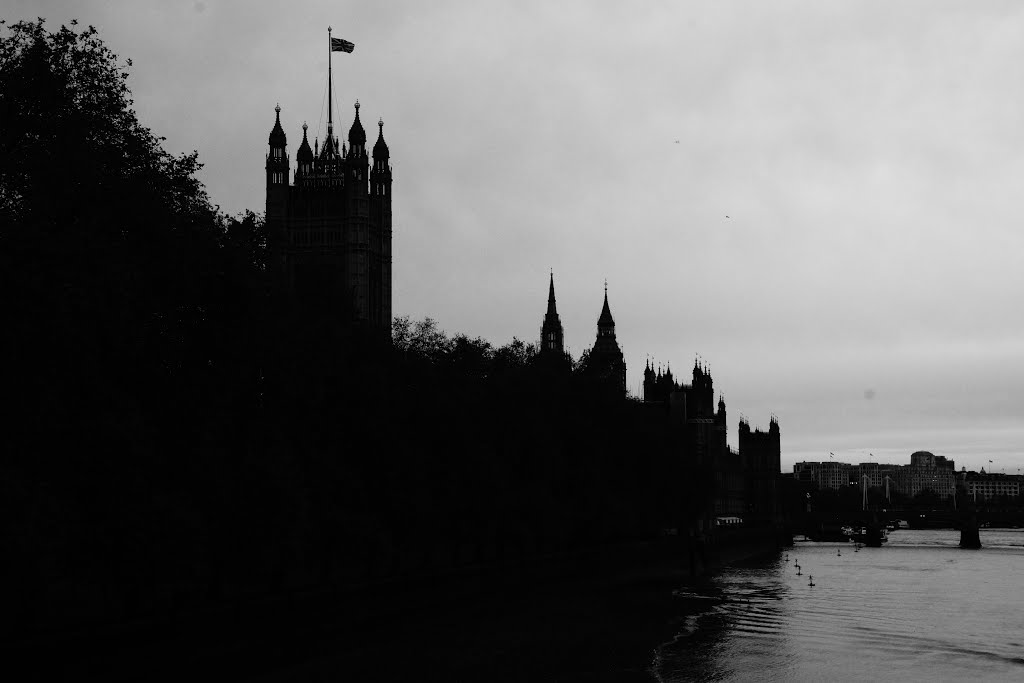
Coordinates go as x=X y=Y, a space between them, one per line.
x=182 y=432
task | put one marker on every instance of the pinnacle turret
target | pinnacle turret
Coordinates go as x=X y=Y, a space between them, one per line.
x=551 y=333
x=304 y=153
x=277 y=136
x=606 y=320
x=380 y=148
x=356 y=134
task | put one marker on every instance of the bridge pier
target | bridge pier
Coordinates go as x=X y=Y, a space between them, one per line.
x=969 y=536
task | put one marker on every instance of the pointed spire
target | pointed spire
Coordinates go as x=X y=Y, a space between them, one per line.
x=356 y=134
x=304 y=153
x=380 y=148
x=606 y=319
x=551 y=333
x=551 y=295
x=277 y=136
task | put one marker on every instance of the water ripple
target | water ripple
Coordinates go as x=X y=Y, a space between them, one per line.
x=919 y=609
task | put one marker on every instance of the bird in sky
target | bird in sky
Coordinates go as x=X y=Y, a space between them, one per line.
x=677 y=142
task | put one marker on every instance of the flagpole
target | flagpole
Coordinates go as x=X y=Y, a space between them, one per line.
x=330 y=124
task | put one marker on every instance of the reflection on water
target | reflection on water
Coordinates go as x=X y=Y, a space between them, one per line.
x=919 y=608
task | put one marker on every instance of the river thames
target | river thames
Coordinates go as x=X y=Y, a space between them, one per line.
x=919 y=608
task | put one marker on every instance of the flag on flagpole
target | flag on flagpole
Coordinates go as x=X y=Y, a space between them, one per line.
x=341 y=45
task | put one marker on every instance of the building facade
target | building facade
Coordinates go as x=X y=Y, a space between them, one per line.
x=329 y=222
x=986 y=486
x=925 y=472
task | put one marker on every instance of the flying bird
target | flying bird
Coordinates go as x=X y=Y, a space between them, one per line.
x=677 y=142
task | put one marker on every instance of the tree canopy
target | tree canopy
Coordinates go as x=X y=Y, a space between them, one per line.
x=117 y=268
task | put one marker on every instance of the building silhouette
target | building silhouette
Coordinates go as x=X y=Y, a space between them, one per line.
x=741 y=484
x=743 y=481
x=552 y=343
x=606 y=363
x=329 y=224
x=926 y=471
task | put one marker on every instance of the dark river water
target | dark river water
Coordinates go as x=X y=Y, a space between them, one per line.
x=917 y=609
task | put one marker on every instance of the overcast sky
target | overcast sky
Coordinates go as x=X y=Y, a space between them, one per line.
x=821 y=199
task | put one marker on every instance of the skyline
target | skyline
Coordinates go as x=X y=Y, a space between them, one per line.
x=833 y=233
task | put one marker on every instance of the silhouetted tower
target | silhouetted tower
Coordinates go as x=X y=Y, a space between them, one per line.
x=329 y=233
x=650 y=383
x=606 y=360
x=774 y=446
x=703 y=394
x=277 y=169
x=380 y=228
x=551 y=336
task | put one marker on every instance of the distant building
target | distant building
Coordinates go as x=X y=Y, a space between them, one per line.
x=827 y=475
x=874 y=471
x=985 y=486
x=925 y=471
x=329 y=231
x=926 y=460
x=743 y=483
x=746 y=479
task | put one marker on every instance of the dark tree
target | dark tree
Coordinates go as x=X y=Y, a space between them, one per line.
x=131 y=314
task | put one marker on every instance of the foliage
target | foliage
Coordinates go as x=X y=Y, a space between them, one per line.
x=69 y=128
x=423 y=341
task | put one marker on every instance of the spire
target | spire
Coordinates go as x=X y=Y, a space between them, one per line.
x=380 y=148
x=606 y=319
x=304 y=153
x=551 y=295
x=551 y=333
x=277 y=136
x=356 y=134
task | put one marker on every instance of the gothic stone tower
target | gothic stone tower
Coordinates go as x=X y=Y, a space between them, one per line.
x=551 y=334
x=606 y=360
x=329 y=232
